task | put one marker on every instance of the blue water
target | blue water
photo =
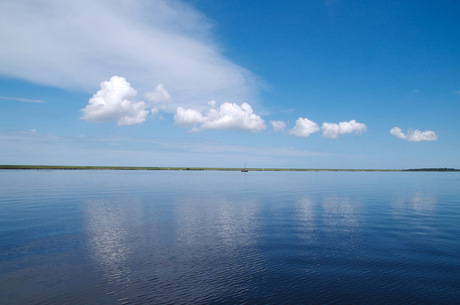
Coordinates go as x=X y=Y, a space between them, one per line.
x=135 y=237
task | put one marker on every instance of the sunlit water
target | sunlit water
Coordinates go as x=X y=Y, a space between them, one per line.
x=134 y=237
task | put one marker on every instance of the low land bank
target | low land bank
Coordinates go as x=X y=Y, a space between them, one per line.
x=64 y=167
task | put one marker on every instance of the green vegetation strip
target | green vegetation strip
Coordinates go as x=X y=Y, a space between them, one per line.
x=64 y=167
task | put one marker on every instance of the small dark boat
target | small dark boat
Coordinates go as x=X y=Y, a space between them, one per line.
x=245 y=170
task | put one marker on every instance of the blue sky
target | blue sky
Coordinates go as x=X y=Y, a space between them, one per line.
x=303 y=84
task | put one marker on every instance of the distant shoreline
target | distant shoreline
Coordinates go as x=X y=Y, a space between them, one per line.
x=65 y=167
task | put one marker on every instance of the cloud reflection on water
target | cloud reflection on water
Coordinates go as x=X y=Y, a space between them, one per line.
x=306 y=214
x=204 y=245
x=416 y=211
x=417 y=203
x=229 y=221
x=109 y=238
x=194 y=244
x=342 y=213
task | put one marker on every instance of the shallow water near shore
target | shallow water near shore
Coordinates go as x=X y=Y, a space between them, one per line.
x=133 y=237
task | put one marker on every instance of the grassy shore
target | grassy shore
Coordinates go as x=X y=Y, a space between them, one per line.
x=65 y=167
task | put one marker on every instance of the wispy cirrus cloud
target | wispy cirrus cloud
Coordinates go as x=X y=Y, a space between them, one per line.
x=22 y=100
x=78 y=43
x=414 y=135
x=32 y=147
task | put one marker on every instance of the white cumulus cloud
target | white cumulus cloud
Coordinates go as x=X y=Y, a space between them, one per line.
x=304 y=128
x=414 y=135
x=77 y=43
x=333 y=130
x=278 y=126
x=114 y=103
x=227 y=116
x=397 y=132
x=188 y=117
x=159 y=95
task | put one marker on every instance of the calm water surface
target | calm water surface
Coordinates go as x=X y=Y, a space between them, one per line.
x=135 y=237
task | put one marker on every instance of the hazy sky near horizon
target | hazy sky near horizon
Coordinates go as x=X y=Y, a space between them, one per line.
x=307 y=84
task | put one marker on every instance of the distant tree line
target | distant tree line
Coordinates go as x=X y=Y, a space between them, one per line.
x=431 y=170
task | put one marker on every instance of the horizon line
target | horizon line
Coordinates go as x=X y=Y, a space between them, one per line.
x=84 y=167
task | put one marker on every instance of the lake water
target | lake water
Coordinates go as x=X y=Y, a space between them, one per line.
x=135 y=237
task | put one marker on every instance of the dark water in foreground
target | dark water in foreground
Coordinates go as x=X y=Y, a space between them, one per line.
x=133 y=237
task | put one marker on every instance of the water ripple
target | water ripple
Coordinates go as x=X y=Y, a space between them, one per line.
x=126 y=237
